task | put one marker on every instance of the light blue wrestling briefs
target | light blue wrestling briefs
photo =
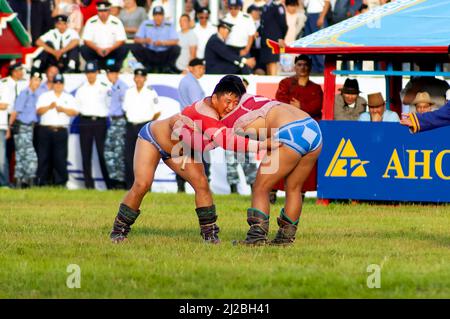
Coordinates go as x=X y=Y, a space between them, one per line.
x=303 y=136
x=146 y=134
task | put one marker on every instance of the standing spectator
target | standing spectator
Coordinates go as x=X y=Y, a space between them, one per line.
x=104 y=37
x=115 y=135
x=274 y=27
x=188 y=43
x=348 y=105
x=4 y=129
x=71 y=9
x=23 y=119
x=243 y=32
x=10 y=88
x=167 y=7
x=317 y=11
x=300 y=91
x=255 y=12
x=344 y=9
x=50 y=74
x=296 y=19
x=132 y=16
x=141 y=105
x=203 y=30
x=377 y=110
x=190 y=91
x=92 y=100
x=116 y=7
x=60 y=48
x=157 y=44
x=220 y=58
x=190 y=11
x=247 y=162
x=55 y=109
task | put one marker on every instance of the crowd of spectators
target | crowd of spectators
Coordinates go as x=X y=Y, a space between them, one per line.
x=149 y=30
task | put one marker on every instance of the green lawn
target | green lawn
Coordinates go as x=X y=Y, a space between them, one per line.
x=42 y=231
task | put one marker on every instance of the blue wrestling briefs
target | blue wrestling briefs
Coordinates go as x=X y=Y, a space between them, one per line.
x=146 y=134
x=303 y=136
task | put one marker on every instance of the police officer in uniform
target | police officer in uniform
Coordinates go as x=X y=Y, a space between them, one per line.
x=104 y=37
x=60 y=48
x=156 y=44
x=92 y=100
x=55 y=108
x=115 y=136
x=22 y=121
x=220 y=58
x=243 y=32
x=274 y=27
x=141 y=104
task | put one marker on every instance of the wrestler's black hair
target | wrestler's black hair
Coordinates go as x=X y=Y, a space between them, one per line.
x=230 y=84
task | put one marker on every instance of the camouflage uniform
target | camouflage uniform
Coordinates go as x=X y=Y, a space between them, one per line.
x=114 y=149
x=26 y=158
x=248 y=165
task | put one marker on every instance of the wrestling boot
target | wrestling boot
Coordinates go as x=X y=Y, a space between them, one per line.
x=207 y=218
x=122 y=224
x=286 y=233
x=259 y=228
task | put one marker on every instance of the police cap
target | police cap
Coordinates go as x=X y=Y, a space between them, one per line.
x=91 y=66
x=103 y=5
x=158 y=10
x=59 y=78
x=140 y=71
x=225 y=24
x=61 y=18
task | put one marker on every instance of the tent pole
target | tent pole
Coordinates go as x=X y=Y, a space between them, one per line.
x=329 y=87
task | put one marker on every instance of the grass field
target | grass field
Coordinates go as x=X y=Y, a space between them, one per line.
x=45 y=230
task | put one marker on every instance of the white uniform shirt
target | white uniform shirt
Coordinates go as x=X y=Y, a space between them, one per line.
x=11 y=89
x=93 y=99
x=53 y=117
x=140 y=106
x=5 y=98
x=314 y=6
x=243 y=27
x=203 y=35
x=104 y=35
x=55 y=37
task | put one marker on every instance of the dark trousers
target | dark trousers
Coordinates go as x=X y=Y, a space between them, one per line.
x=48 y=59
x=118 y=55
x=93 y=128
x=157 y=62
x=131 y=136
x=318 y=63
x=52 y=155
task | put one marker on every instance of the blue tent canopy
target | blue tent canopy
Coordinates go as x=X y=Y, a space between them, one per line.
x=415 y=26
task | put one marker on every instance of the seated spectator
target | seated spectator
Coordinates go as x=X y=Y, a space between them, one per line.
x=435 y=87
x=168 y=9
x=203 y=30
x=344 y=9
x=190 y=11
x=422 y=103
x=300 y=91
x=220 y=58
x=104 y=37
x=349 y=105
x=71 y=9
x=188 y=43
x=60 y=48
x=116 y=7
x=132 y=16
x=377 y=110
x=157 y=44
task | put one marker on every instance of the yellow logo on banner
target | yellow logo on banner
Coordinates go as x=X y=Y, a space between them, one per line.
x=345 y=162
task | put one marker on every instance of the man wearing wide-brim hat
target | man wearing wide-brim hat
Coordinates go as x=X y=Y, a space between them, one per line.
x=422 y=103
x=348 y=105
x=377 y=110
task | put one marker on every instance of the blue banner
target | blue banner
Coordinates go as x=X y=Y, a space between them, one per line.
x=383 y=161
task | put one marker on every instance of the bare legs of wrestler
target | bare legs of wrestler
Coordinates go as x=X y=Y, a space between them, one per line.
x=146 y=159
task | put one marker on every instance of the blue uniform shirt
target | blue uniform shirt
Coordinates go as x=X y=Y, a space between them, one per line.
x=117 y=94
x=25 y=106
x=189 y=91
x=388 y=116
x=164 y=32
